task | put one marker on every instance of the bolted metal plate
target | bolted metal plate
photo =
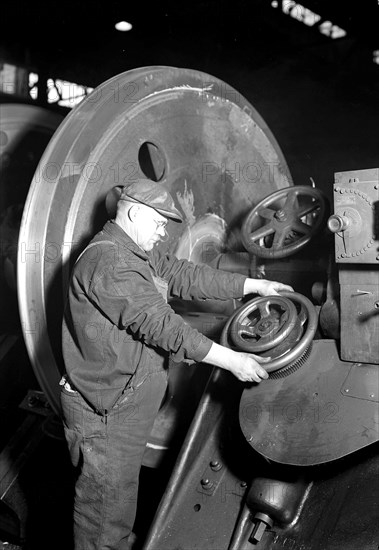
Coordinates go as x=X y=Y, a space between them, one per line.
x=179 y=127
x=307 y=418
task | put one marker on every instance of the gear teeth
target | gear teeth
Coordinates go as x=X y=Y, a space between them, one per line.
x=292 y=367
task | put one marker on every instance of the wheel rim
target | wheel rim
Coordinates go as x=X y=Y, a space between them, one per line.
x=25 y=132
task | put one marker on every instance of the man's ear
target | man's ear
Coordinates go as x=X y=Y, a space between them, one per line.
x=133 y=212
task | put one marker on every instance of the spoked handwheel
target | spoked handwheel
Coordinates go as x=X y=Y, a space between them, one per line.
x=279 y=328
x=263 y=323
x=284 y=222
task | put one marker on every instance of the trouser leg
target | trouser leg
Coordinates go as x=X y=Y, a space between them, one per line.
x=108 y=453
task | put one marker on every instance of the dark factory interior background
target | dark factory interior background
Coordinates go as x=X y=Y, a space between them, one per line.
x=310 y=69
x=306 y=84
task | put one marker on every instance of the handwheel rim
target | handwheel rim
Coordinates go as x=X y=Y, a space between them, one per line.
x=271 y=340
x=299 y=348
x=276 y=226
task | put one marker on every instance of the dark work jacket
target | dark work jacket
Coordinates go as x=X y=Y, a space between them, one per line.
x=117 y=318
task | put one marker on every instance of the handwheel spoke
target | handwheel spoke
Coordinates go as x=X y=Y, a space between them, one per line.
x=261 y=232
x=308 y=209
x=247 y=330
x=291 y=203
x=301 y=227
x=264 y=309
x=279 y=238
x=283 y=318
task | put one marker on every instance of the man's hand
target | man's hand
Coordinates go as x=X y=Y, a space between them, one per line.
x=264 y=287
x=247 y=369
x=243 y=365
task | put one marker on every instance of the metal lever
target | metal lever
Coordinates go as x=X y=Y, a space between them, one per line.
x=262 y=522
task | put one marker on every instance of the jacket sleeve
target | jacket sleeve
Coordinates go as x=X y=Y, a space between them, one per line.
x=191 y=281
x=129 y=298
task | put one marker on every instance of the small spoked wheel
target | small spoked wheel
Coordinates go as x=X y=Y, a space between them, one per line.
x=279 y=329
x=263 y=323
x=284 y=222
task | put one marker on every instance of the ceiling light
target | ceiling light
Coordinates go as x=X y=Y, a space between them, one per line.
x=123 y=26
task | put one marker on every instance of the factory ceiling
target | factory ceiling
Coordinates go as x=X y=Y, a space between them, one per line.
x=70 y=36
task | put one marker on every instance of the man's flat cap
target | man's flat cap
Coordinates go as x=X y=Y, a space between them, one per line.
x=154 y=195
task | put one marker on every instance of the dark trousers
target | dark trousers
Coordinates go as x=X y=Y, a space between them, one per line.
x=107 y=452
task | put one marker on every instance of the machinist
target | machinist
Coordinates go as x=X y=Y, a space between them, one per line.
x=119 y=334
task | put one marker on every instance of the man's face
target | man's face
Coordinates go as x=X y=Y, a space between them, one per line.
x=151 y=228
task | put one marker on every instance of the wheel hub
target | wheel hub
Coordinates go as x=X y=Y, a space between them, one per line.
x=280 y=215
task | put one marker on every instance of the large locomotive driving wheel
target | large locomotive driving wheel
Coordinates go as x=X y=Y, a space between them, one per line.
x=284 y=222
x=280 y=327
x=174 y=126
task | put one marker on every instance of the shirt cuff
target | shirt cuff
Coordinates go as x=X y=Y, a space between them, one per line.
x=202 y=349
x=239 y=285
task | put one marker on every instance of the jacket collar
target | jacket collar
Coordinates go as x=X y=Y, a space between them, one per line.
x=123 y=239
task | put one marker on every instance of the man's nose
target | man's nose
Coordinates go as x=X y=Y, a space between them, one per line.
x=163 y=233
